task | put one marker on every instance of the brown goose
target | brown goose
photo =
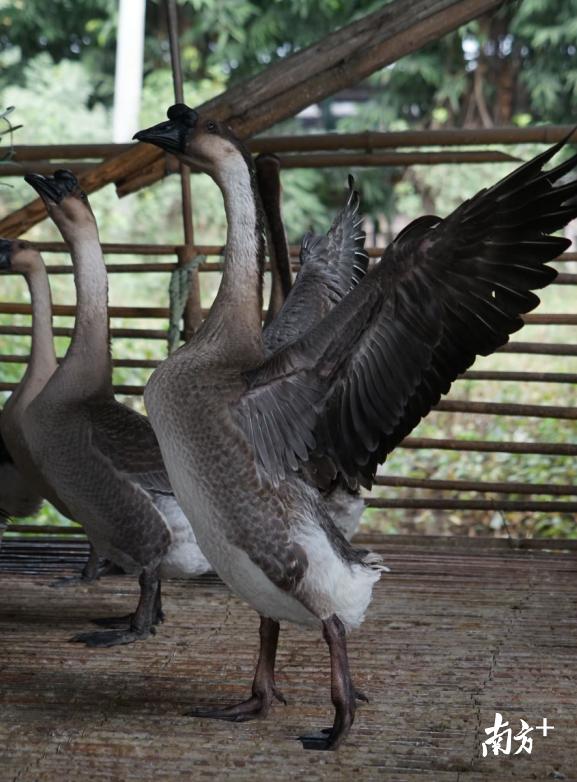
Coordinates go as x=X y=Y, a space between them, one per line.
x=20 y=256
x=21 y=487
x=18 y=498
x=234 y=426
x=101 y=456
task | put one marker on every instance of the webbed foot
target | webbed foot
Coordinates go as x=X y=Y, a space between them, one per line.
x=126 y=620
x=317 y=741
x=253 y=708
x=107 y=638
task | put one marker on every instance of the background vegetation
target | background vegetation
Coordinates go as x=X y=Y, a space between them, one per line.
x=518 y=66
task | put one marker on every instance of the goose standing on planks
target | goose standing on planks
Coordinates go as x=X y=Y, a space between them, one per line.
x=21 y=486
x=21 y=257
x=102 y=457
x=234 y=426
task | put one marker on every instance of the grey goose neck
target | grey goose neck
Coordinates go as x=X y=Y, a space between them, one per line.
x=234 y=321
x=88 y=359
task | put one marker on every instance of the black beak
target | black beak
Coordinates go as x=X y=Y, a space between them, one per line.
x=5 y=254
x=53 y=188
x=45 y=186
x=168 y=135
x=171 y=135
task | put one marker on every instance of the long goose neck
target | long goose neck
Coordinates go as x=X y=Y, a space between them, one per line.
x=88 y=357
x=42 y=363
x=237 y=310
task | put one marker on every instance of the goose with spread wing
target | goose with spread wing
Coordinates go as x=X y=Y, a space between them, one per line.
x=101 y=456
x=235 y=426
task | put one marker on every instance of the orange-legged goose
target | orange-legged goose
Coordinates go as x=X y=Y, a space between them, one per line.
x=234 y=426
x=103 y=457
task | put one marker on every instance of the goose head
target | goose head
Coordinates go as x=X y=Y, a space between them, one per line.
x=198 y=140
x=65 y=202
x=19 y=256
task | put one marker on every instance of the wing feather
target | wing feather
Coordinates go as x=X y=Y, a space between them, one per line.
x=354 y=385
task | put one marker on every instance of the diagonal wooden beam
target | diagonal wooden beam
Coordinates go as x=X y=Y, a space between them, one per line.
x=343 y=58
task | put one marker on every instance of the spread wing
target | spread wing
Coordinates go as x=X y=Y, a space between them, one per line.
x=330 y=266
x=444 y=292
x=128 y=441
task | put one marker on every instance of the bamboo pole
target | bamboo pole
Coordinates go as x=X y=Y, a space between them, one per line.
x=20 y=308
x=483 y=487
x=366 y=140
x=312 y=160
x=474 y=375
x=120 y=248
x=431 y=503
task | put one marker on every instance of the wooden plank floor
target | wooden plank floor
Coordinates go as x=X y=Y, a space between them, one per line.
x=455 y=633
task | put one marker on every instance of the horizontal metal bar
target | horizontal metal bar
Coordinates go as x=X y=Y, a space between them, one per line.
x=565 y=279
x=488 y=446
x=69 y=310
x=550 y=319
x=22 y=308
x=124 y=390
x=544 y=134
x=45 y=529
x=215 y=267
x=496 y=505
x=393 y=159
x=481 y=375
x=448 y=405
x=538 y=348
x=123 y=248
x=367 y=140
x=60 y=331
x=482 y=487
x=306 y=160
x=520 y=377
x=505 y=408
x=129 y=268
x=136 y=363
